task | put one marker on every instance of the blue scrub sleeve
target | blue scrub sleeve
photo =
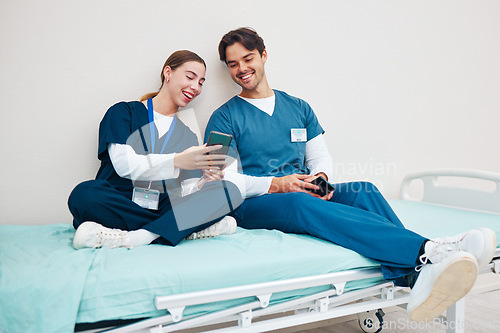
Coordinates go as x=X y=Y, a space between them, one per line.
x=312 y=124
x=115 y=127
x=220 y=121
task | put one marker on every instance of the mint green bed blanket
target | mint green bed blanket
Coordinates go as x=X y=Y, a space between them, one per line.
x=47 y=286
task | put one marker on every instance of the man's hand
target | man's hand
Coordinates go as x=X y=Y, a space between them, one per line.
x=320 y=174
x=292 y=183
x=311 y=178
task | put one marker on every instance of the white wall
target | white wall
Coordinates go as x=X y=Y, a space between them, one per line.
x=399 y=86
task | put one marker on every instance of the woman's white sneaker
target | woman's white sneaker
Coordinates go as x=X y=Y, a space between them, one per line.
x=94 y=235
x=440 y=285
x=481 y=243
x=226 y=226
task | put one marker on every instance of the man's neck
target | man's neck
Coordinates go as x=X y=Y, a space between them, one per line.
x=262 y=90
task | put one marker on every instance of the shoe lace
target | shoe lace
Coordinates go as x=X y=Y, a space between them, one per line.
x=205 y=233
x=208 y=232
x=441 y=247
x=111 y=239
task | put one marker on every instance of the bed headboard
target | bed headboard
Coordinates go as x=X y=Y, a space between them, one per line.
x=470 y=189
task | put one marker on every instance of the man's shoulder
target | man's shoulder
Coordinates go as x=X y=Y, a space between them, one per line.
x=291 y=99
x=232 y=102
x=231 y=106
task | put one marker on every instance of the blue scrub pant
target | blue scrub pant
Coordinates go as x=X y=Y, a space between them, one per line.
x=357 y=217
x=97 y=201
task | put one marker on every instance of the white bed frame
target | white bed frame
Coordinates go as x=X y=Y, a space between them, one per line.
x=258 y=315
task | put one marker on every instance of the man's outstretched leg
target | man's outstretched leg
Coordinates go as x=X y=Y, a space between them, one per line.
x=442 y=263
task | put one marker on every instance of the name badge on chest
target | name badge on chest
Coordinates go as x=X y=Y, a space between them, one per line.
x=299 y=134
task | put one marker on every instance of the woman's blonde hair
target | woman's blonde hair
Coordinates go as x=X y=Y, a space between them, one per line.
x=176 y=59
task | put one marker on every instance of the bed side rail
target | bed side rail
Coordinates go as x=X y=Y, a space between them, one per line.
x=458 y=194
x=260 y=290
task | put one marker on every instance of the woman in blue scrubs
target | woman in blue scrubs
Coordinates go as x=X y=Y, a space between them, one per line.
x=155 y=182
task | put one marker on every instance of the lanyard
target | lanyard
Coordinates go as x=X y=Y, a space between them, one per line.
x=153 y=131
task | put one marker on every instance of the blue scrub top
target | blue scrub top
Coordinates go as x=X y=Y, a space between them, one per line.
x=128 y=123
x=263 y=142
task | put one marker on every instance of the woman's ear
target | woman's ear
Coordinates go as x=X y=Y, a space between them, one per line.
x=167 y=71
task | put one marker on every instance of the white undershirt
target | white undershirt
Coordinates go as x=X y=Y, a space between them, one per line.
x=162 y=123
x=264 y=104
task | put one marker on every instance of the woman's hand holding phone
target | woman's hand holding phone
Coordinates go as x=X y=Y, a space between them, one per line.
x=210 y=175
x=199 y=157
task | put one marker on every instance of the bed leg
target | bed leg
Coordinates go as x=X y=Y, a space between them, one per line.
x=455 y=317
x=245 y=318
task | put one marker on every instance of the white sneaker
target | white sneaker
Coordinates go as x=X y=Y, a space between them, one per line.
x=94 y=235
x=481 y=243
x=440 y=285
x=226 y=226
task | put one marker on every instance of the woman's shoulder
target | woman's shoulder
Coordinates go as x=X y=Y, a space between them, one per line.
x=126 y=110
x=132 y=114
x=127 y=106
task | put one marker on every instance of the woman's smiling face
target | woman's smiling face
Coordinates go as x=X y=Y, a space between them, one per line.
x=185 y=82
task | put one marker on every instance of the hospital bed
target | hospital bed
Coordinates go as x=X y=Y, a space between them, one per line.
x=254 y=280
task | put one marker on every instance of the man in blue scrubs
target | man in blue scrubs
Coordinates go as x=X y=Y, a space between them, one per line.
x=281 y=149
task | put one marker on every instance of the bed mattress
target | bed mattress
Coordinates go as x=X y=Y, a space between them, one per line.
x=46 y=285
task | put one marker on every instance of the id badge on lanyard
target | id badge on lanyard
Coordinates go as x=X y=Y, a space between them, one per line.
x=147 y=197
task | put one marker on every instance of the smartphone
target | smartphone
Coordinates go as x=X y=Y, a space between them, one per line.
x=324 y=186
x=217 y=138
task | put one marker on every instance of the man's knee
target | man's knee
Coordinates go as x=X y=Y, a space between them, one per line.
x=362 y=187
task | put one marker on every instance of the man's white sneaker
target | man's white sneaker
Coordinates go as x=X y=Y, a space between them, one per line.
x=94 y=235
x=481 y=243
x=226 y=226
x=440 y=285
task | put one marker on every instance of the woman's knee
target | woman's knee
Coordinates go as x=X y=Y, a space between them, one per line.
x=234 y=194
x=223 y=191
x=82 y=192
x=83 y=196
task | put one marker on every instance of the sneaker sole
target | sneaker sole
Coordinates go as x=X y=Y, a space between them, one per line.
x=490 y=244
x=447 y=290
x=233 y=228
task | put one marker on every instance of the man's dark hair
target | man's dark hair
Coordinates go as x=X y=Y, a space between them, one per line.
x=248 y=37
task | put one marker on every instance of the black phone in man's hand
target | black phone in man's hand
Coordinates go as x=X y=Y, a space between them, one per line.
x=324 y=187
